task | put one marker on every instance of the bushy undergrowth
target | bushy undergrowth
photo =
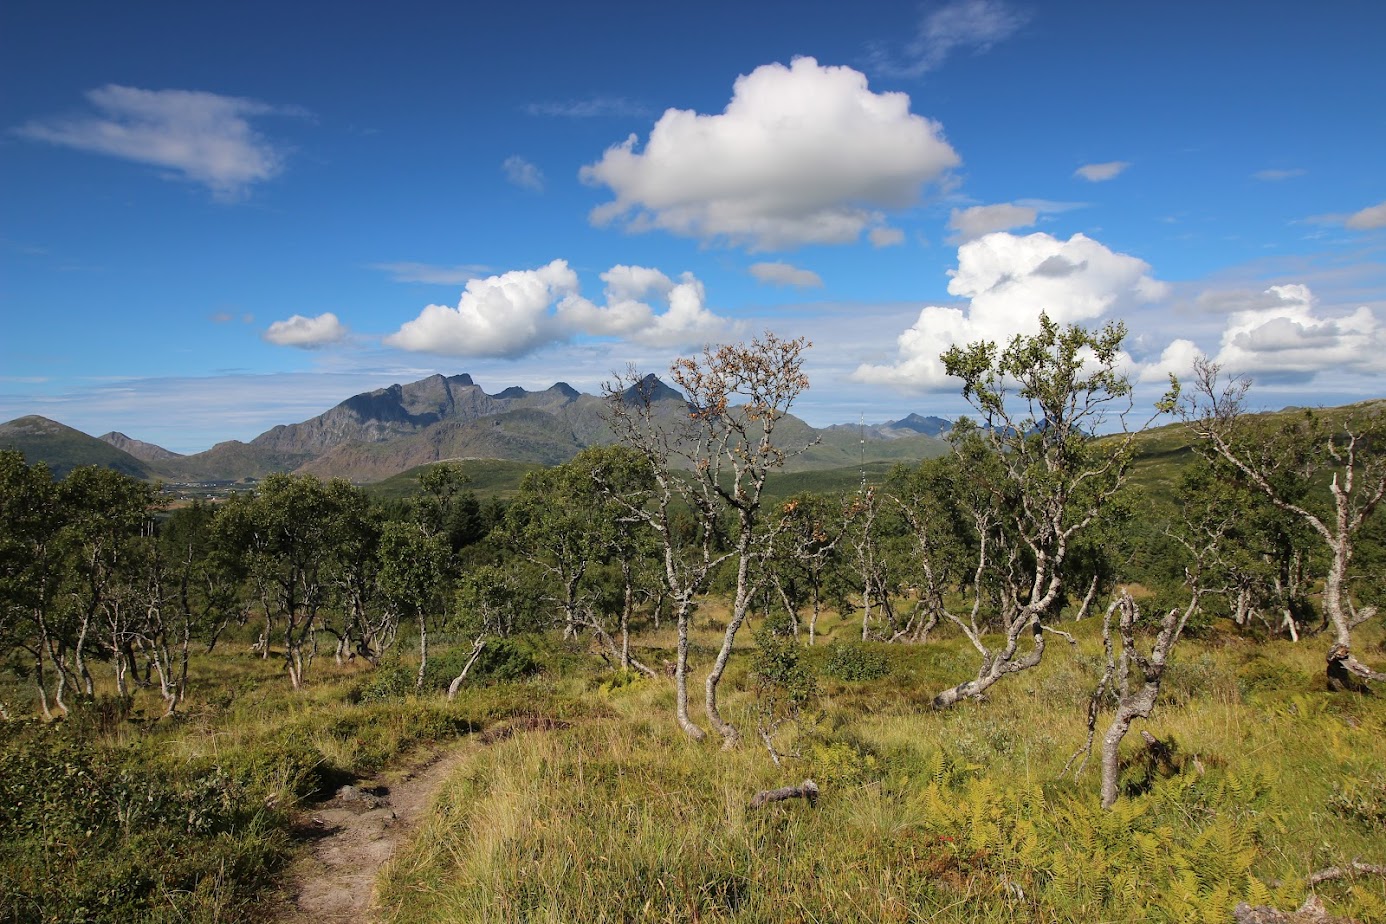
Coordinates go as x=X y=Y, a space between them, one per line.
x=503 y=660
x=89 y=833
x=854 y=662
x=107 y=815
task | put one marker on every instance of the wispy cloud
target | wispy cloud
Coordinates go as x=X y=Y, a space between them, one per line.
x=964 y=25
x=432 y=274
x=971 y=223
x=784 y=274
x=1275 y=176
x=1373 y=216
x=1100 y=173
x=523 y=174
x=594 y=107
x=1367 y=219
x=202 y=137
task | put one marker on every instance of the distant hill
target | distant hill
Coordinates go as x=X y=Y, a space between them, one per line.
x=63 y=448
x=145 y=452
x=375 y=435
x=229 y=461
x=913 y=425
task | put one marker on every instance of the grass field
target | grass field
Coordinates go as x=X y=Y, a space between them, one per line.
x=955 y=816
x=923 y=815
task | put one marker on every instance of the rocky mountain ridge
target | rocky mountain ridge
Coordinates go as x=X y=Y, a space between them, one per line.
x=376 y=434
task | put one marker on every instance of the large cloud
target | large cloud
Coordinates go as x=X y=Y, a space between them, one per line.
x=300 y=331
x=1008 y=281
x=631 y=294
x=520 y=311
x=505 y=315
x=802 y=154
x=1282 y=333
x=202 y=137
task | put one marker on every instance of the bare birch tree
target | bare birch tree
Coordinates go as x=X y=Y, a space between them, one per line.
x=715 y=460
x=1286 y=462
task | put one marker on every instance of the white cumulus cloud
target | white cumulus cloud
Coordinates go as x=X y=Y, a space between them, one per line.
x=505 y=315
x=198 y=136
x=801 y=155
x=1284 y=333
x=523 y=174
x=1371 y=217
x=630 y=312
x=307 y=333
x=1007 y=282
x=785 y=274
x=1099 y=173
x=515 y=313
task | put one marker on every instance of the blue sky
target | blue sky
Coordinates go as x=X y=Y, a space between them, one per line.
x=217 y=218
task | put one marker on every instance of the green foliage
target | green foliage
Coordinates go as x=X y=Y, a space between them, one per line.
x=503 y=660
x=88 y=834
x=839 y=764
x=778 y=665
x=785 y=685
x=1362 y=802
x=855 y=662
x=391 y=680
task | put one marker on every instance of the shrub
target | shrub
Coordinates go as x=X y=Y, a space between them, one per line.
x=855 y=662
x=92 y=833
x=389 y=681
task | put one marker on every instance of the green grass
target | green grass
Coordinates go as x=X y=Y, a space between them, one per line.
x=954 y=816
x=943 y=816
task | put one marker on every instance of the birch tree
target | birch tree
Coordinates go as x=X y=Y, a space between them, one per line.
x=1330 y=478
x=1040 y=401
x=715 y=459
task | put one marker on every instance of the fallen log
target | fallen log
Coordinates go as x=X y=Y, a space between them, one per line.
x=1311 y=912
x=1355 y=867
x=807 y=790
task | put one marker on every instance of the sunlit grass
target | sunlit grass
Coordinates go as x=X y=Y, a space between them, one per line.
x=953 y=816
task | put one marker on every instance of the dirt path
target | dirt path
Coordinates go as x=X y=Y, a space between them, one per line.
x=356 y=832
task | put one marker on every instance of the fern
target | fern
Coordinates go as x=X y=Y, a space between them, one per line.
x=1257 y=892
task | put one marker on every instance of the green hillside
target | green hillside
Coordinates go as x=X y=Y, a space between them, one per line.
x=63 y=448
x=489 y=478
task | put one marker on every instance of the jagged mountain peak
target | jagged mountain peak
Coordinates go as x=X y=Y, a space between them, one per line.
x=651 y=388
x=929 y=426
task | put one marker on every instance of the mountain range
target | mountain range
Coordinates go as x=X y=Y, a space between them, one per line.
x=374 y=435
